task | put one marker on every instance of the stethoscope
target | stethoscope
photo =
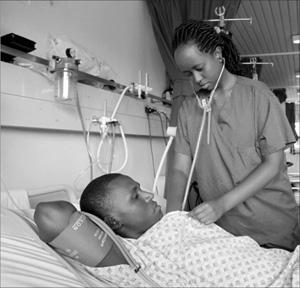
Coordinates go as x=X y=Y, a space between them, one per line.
x=206 y=106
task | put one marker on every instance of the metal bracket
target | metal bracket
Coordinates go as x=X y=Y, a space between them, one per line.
x=83 y=77
x=220 y=11
x=253 y=62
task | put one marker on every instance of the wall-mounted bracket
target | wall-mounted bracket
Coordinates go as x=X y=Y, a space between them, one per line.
x=83 y=77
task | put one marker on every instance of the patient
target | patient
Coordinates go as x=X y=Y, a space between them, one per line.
x=122 y=204
x=174 y=250
x=115 y=198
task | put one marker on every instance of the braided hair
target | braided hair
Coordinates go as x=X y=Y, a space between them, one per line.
x=207 y=39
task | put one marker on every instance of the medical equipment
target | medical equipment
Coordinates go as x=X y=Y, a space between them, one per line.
x=253 y=62
x=159 y=197
x=107 y=123
x=140 y=88
x=72 y=241
x=111 y=124
x=88 y=239
x=220 y=11
x=171 y=131
x=206 y=106
x=66 y=75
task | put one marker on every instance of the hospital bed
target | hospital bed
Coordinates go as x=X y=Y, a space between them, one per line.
x=26 y=261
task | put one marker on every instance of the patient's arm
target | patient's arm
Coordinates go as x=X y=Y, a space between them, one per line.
x=53 y=217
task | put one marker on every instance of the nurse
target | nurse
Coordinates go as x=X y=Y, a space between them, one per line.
x=241 y=172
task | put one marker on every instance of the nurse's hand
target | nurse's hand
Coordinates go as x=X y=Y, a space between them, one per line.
x=208 y=212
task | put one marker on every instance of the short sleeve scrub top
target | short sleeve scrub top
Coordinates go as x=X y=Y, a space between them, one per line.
x=250 y=124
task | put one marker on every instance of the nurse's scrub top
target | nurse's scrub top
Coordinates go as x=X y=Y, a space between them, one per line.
x=250 y=124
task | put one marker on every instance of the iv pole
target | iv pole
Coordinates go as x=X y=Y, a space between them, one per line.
x=220 y=11
x=253 y=62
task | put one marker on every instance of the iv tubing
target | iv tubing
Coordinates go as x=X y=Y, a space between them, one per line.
x=112 y=149
x=125 y=148
x=84 y=133
x=161 y=164
x=205 y=111
x=131 y=261
x=122 y=133
x=119 y=102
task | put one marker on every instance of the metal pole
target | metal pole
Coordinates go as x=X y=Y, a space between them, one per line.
x=271 y=54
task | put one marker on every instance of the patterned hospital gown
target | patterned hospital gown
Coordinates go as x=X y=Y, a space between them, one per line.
x=181 y=252
x=250 y=125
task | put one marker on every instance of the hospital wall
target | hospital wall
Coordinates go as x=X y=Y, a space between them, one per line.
x=41 y=139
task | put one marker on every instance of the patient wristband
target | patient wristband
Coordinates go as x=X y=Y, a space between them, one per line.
x=83 y=240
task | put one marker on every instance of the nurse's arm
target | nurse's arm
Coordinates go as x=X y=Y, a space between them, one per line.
x=255 y=181
x=176 y=181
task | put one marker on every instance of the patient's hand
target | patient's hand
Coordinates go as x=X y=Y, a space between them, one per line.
x=52 y=218
x=208 y=212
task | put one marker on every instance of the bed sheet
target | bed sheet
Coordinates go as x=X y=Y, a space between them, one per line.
x=179 y=251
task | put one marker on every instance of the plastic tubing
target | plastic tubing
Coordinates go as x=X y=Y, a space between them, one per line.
x=161 y=164
x=125 y=150
x=123 y=138
x=84 y=133
x=112 y=149
x=119 y=102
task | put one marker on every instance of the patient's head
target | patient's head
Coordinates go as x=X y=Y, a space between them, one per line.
x=120 y=202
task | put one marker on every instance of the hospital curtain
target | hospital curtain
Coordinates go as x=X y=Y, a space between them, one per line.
x=166 y=15
x=290 y=114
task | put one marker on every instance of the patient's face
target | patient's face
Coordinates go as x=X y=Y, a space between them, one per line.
x=133 y=207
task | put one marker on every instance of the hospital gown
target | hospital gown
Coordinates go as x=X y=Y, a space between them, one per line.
x=179 y=251
x=249 y=125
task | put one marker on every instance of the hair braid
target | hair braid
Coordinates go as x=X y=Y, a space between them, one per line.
x=207 y=40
